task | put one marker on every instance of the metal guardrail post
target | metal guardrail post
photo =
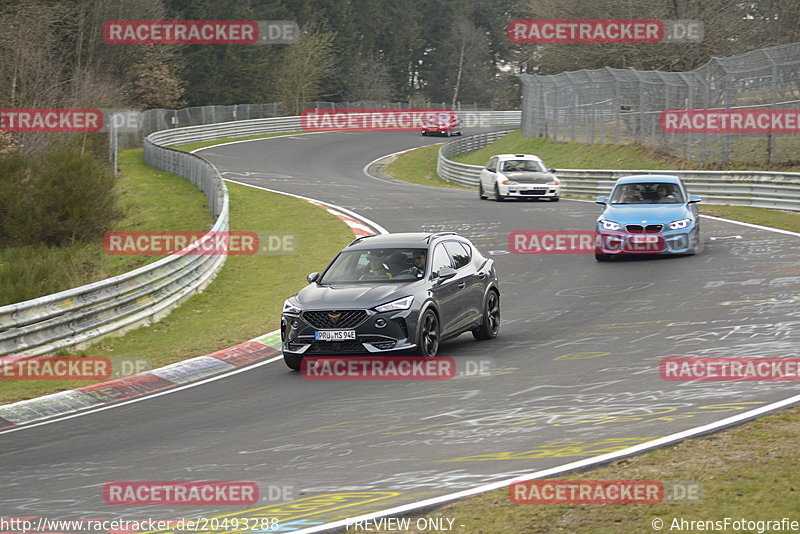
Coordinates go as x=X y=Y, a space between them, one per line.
x=732 y=188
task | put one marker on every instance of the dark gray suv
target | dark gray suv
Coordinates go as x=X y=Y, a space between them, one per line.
x=390 y=293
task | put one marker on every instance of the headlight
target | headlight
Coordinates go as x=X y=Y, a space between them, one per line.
x=290 y=307
x=678 y=225
x=399 y=304
x=554 y=182
x=505 y=182
x=608 y=225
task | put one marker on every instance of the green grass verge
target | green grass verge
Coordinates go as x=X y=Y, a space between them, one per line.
x=575 y=155
x=188 y=147
x=150 y=199
x=418 y=166
x=244 y=300
x=784 y=219
x=746 y=472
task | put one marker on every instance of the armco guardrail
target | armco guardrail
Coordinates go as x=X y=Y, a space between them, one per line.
x=733 y=188
x=76 y=316
x=462 y=173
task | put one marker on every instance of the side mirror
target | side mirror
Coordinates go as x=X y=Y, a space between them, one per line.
x=600 y=200
x=693 y=199
x=446 y=273
x=551 y=171
x=313 y=277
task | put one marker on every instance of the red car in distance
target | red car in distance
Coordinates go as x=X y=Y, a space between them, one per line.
x=445 y=123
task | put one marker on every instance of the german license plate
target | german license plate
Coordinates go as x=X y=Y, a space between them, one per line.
x=334 y=335
x=639 y=239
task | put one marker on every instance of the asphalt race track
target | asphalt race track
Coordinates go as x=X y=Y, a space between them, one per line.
x=574 y=370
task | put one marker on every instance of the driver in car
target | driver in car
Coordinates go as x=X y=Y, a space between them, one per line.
x=664 y=195
x=632 y=195
x=418 y=269
x=375 y=269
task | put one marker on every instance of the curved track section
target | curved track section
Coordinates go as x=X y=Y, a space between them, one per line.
x=575 y=366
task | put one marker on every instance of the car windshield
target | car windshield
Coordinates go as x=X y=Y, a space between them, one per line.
x=647 y=193
x=377 y=265
x=523 y=165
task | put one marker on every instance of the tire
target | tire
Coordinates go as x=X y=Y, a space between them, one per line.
x=481 y=195
x=292 y=361
x=554 y=199
x=698 y=245
x=497 y=196
x=601 y=257
x=491 y=318
x=428 y=334
x=459 y=133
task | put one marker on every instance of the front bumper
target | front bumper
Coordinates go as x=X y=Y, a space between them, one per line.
x=613 y=242
x=437 y=131
x=524 y=190
x=396 y=334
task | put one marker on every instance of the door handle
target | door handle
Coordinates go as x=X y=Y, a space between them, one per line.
x=462 y=285
x=482 y=276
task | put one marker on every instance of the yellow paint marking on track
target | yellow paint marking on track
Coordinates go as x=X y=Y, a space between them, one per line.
x=557 y=449
x=582 y=355
x=298 y=509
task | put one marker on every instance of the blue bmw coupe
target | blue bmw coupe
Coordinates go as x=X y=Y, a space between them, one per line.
x=648 y=214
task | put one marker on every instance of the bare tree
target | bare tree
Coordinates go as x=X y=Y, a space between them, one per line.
x=368 y=79
x=461 y=66
x=304 y=66
x=730 y=28
x=154 y=82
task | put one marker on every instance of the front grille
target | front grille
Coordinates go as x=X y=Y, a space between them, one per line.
x=328 y=319
x=534 y=192
x=330 y=347
x=639 y=229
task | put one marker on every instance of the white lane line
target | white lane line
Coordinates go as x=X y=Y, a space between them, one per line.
x=368 y=165
x=666 y=440
x=289 y=135
x=145 y=397
x=751 y=225
x=375 y=226
x=714 y=218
